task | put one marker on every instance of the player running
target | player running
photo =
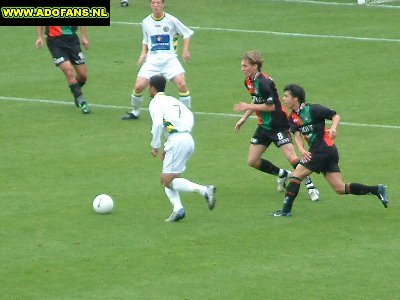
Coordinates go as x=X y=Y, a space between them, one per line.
x=64 y=46
x=309 y=120
x=171 y=117
x=273 y=124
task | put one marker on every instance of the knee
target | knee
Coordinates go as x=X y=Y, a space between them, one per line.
x=181 y=86
x=82 y=78
x=70 y=75
x=138 y=88
x=254 y=163
x=339 y=190
x=166 y=181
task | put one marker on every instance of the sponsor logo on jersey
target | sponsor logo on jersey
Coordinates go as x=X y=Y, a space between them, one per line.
x=307 y=129
x=257 y=100
x=160 y=42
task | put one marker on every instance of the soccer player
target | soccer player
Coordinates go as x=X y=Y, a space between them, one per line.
x=171 y=117
x=273 y=124
x=64 y=46
x=309 y=120
x=158 y=55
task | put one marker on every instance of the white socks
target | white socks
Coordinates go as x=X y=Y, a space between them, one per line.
x=136 y=102
x=184 y=185
x=186 y=100
x=174 y=198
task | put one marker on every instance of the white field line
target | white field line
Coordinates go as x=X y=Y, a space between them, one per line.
x=290 y=34
x=57 y=102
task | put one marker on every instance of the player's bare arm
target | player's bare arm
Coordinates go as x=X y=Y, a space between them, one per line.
x=84 y=39
x=185 y=50
x=306 y=155
x=143 y=55
x=39 y=39
x=242 y=106
x=243 y=119
x=335 y=123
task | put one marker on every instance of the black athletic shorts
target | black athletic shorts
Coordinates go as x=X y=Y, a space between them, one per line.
x=323 y=159
x=265 y=137
x=64 y=48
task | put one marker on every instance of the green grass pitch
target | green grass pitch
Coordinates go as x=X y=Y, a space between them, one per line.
x=55 y=160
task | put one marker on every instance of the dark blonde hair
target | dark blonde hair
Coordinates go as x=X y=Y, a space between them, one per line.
x=254 y=58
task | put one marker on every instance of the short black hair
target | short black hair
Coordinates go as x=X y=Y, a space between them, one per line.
x=158 y=82
x=296 y=91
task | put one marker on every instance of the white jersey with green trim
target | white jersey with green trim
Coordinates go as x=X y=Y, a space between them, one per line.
x=158 y=35
x=169 y=116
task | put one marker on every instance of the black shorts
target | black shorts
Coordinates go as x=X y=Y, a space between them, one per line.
x=66 y=48
x=323 y=159
x=265 y=137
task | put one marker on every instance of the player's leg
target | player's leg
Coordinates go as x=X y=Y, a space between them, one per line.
x=60 y=51
x=292 y=189
x=178 y=149
x=259 y=143
x=340 y=187
x=69 y=73
x=183 y=149
x=290 y=154
x=81 y=77
x=178 y=212
x=288 y=151
x=80 y=73
x=147 y=70
x=174 y=71
x=137 y=94
x=184 y=94
x=256 y=161
x=136 y=98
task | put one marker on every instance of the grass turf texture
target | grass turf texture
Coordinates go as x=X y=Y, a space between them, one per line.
x=54 y=160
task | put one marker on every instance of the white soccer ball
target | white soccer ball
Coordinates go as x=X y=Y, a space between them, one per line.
x=103 y=204
x=124 y=3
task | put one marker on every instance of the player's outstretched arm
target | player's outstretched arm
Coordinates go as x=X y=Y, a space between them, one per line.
x=243 y=119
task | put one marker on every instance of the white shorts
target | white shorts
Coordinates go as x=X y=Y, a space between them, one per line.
x=169 y=68
x=178 y=149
